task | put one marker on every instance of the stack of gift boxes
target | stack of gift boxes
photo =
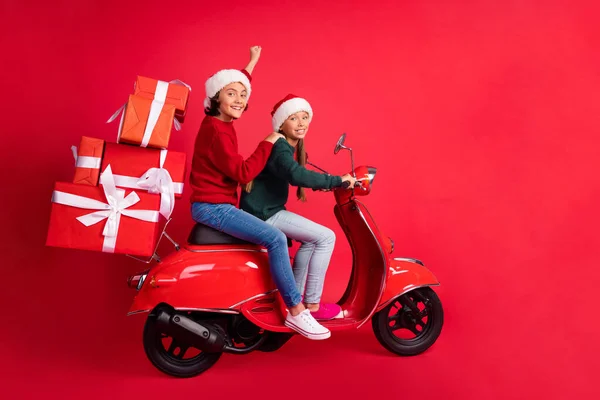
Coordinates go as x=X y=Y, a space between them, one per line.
x=123 y=193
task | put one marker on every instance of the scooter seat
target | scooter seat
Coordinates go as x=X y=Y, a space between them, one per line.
x=205 y=235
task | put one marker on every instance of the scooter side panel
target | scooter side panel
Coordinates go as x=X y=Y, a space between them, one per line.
x=404 y=275
x=198 y=278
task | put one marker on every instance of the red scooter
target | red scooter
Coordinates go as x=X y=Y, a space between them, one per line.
x=215 y=295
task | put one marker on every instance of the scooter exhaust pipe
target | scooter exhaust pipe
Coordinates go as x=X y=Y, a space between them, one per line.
x=203 y=337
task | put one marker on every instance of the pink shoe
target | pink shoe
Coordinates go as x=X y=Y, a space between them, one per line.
x=327 y=311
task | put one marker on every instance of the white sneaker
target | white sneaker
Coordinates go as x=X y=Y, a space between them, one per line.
x=306 y=325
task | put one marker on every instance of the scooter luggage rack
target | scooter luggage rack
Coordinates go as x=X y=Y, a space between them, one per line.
x=155 y=254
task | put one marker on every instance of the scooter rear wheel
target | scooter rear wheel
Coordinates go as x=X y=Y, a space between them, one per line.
x=174 y=358
x=411 y=323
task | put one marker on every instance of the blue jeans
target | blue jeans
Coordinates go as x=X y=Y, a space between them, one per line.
x=313 y=256
x=242 y=225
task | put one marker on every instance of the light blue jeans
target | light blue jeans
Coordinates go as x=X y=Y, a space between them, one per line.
x=242 y=225
x=312 y=259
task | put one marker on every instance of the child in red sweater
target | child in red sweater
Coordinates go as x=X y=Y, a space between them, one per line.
x=218 y=169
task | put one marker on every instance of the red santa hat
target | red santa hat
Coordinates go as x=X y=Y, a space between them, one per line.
x=287 y=106
x=223 y=78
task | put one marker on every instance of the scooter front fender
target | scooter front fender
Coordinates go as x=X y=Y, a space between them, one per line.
x=404 y=275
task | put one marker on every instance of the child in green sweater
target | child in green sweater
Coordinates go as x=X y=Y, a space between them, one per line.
x=266 y=196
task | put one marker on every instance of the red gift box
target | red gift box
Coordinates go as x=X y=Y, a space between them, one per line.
x=83 y=218
x=146 y=122
x=177 y=93
x=87 y=160
x=156 y=171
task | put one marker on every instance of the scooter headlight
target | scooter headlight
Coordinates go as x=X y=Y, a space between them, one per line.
x=371 y=171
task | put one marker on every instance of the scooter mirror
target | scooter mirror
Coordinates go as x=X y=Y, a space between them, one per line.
x=340 y=144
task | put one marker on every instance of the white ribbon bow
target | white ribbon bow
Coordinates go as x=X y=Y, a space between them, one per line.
x=158 y=180
x=116 y=206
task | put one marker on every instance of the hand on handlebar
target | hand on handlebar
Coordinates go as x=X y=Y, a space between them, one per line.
x=348 y=181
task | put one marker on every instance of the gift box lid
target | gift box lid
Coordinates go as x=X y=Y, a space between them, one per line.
x=177 y=94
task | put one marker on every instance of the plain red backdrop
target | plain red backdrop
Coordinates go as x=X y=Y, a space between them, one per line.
x=482 y=118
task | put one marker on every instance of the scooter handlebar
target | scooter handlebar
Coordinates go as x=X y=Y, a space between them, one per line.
x=346 y=184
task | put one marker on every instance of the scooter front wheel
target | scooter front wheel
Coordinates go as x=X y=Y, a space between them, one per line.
x=411 y=323
x=173 y=357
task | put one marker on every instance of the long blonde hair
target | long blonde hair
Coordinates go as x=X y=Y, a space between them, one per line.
x=301 y=159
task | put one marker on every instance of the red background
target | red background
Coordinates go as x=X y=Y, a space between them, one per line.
x=481 y=117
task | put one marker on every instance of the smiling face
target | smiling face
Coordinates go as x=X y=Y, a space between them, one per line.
x=232 y=101
x=296 y=125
